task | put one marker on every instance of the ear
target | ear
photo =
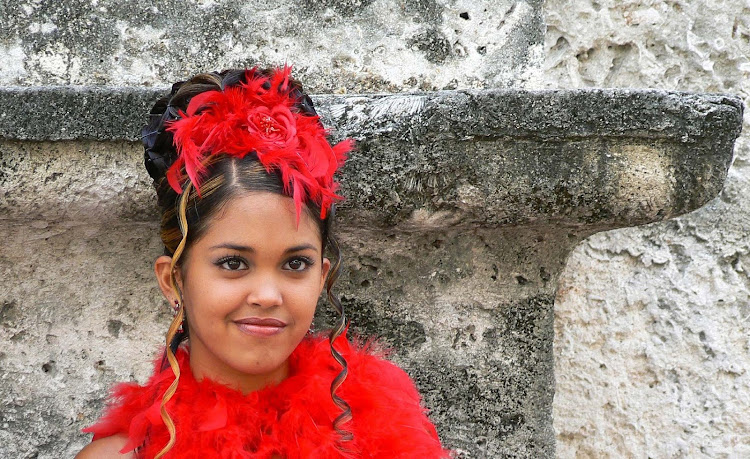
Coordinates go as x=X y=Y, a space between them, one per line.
x=162 y=269
x=324 y=268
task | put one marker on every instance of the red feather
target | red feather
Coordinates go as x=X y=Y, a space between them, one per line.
x=259 y=115
x=293 y=419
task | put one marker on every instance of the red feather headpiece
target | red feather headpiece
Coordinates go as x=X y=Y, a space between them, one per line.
x=261 y=116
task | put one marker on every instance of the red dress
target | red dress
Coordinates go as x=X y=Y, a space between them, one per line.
x=293 y=419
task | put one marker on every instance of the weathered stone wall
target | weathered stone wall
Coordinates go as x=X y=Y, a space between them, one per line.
x=336 y=46
x=456 y=267
x=651 y=339
x=652 y=324
x=68 y=333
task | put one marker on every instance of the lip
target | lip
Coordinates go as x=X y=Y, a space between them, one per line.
x=257 y=326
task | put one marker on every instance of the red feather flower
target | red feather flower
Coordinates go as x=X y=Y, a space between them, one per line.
x=260 y=116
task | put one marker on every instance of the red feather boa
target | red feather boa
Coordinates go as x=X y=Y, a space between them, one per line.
x=292 y=420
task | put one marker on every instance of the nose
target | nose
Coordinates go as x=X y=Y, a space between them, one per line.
x=265 y=292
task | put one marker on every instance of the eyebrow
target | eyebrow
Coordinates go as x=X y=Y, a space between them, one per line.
x=245 y=248
x=237 y=247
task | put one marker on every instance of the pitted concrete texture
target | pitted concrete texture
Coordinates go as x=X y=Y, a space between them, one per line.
x=347 y=45
x=482 y=361
x=652 y=323
x=82 y=312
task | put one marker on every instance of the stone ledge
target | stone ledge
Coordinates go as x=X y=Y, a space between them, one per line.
x=599 y=159
x=117 y=113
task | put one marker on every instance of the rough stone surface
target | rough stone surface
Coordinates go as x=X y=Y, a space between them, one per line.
x=90 y=112
x=347 y=45
x=81 y=313
x=603 y=158
x=469 y=313
x=468 y=308
x=652 y=323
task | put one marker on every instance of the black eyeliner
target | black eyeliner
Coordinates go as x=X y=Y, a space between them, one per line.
x=239 y=258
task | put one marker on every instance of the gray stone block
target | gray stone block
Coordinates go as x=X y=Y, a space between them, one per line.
x=600 y=157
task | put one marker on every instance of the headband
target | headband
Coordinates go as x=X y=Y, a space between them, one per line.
x=267 y=115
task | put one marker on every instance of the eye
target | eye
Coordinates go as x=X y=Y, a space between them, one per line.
x=232 y=263
x=298 y=264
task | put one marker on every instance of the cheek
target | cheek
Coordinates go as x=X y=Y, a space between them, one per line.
x=213 y=297
x=305 y=296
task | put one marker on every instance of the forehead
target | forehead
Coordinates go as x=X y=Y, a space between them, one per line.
x=261 y=217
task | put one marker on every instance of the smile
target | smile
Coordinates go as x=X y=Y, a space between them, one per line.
x=255 y=326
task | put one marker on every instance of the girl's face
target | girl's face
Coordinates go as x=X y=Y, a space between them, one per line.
x=250 y=286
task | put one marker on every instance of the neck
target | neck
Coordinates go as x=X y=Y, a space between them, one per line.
x=202 y=367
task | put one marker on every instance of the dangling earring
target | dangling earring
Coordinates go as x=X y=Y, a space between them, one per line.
x=175 y=311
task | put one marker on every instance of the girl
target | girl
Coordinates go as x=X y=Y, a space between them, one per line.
x=244 y=178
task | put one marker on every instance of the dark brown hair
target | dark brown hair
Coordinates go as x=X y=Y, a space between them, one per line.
x=186 y=216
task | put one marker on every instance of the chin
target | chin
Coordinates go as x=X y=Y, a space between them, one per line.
x=265 y=368
x=253 y=363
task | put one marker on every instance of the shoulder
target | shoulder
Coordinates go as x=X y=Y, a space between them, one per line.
x=130 y=405
x=367 y=361
x=105 y=448
x=389 y=419
x=374 y=381
x=370 y=365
